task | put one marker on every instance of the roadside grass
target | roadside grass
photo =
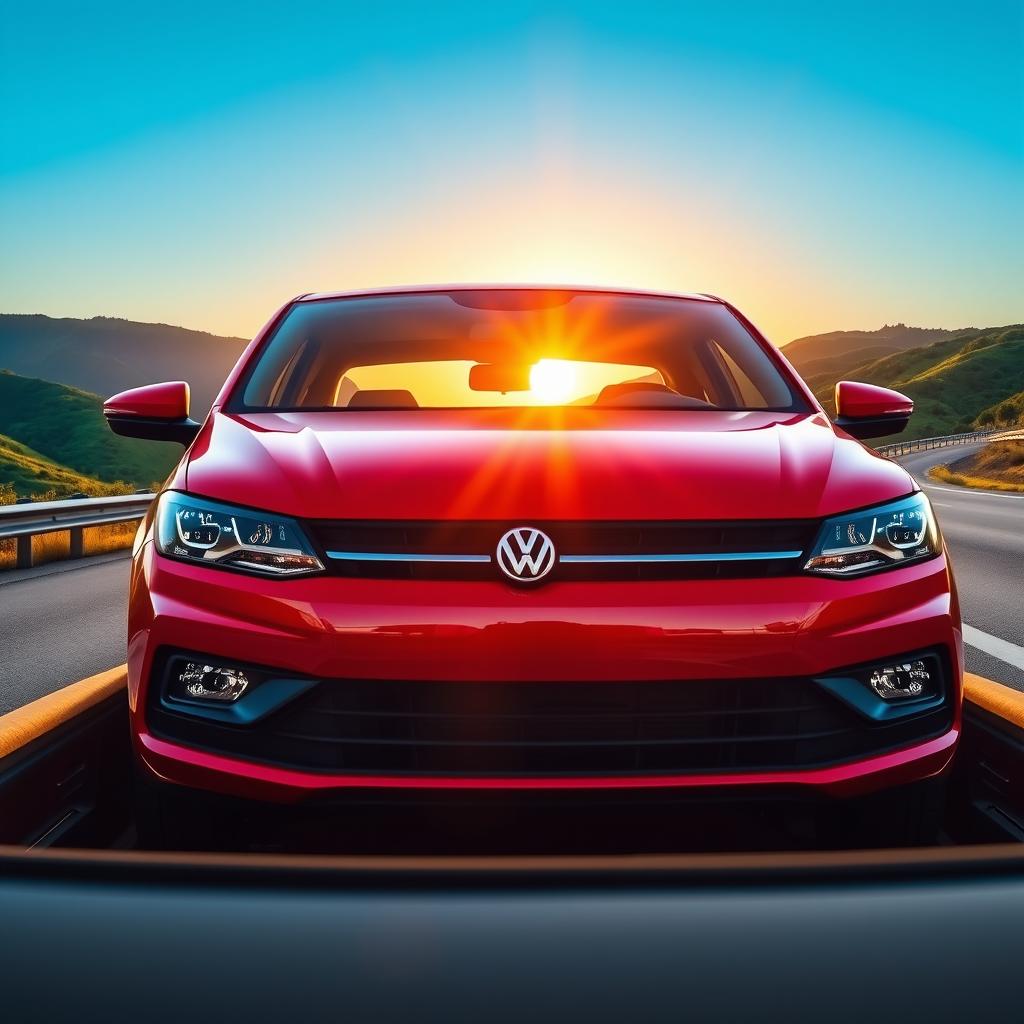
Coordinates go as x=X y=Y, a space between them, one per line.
x=999 y=466
x=53 y=547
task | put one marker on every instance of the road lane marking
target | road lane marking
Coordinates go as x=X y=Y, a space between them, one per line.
x=975 y=509
x=1006 y=652
x=972 y=491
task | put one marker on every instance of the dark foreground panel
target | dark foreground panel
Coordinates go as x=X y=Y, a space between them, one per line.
x=918 y=934
x=925 y=937
x=75 y=787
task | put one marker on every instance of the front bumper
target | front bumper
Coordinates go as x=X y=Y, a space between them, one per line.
x=565 y=632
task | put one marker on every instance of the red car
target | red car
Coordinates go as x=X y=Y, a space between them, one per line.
x=533 y=538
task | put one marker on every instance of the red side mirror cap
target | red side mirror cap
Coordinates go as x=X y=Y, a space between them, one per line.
x=157 y=412
x=866 y=410
x=168 y=401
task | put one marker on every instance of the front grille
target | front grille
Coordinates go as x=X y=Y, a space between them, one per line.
x=464 y=550
x=558 y=729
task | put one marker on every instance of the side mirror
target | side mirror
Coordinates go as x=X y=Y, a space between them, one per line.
x=157 y=412
x=865 y=410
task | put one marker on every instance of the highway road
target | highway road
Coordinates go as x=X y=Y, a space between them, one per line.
x=64 y=621
x=60 y=623
x=984 y=531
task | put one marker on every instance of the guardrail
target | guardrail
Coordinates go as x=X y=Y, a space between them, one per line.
x=923 y=444
x=25 y=521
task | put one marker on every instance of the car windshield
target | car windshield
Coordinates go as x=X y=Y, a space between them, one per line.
x=513 y=348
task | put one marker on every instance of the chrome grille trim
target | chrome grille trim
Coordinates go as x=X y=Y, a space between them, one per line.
x=608 y=550
x=710 y=556
x=387 y=556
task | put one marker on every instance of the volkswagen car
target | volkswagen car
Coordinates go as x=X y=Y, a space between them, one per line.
x=534 y=538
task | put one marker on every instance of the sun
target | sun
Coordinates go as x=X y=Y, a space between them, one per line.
x=553 y=381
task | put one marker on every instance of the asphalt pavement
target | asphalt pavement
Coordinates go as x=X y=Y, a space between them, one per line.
x=59 y=623
x=984 y=532
x=64 y=621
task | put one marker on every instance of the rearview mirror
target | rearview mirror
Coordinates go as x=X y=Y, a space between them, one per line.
x=157 y=412
x=866 y=410
x=503 y=377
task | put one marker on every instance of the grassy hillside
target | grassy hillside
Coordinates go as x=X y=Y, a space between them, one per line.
x=952 y=381
x=65 y=427
x=27 y=474
x=1007 y=413
x=105 y=355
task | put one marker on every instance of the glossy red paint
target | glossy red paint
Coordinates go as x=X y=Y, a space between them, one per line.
x=168 y=401
x=868 y=401
x=539 y=463
x=542 y=464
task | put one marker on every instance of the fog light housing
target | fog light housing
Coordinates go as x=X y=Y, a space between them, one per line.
x=908 y=680
x=192 y=680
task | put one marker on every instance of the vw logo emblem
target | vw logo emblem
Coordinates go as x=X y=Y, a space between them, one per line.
x=525 y=555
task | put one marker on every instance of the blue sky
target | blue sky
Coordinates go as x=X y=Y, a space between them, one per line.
x=825 y=166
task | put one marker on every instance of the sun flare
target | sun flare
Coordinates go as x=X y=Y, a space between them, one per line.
x=553 y=381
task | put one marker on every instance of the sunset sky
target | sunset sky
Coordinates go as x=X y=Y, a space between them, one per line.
x=198 y=166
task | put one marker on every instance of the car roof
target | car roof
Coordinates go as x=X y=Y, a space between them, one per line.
x=419 y=289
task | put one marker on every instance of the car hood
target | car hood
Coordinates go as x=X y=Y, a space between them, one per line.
x=538 y=465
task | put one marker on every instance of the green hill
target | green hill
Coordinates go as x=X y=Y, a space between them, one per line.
x=952 y=382
x=105 y=355
x=822 y=359
x=53 y=435
x=65 y=427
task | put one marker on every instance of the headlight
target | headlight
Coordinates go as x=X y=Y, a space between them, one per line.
x=197 y=530
x=877 y=538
